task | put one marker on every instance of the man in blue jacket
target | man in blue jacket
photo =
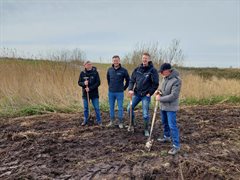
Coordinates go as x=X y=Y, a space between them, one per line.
x=143 y=83
x=89 y=80
x=116 y=75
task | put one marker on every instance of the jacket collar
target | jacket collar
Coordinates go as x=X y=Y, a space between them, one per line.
x=150 y=65
x=118 y=67
x=92 y=70
x=173 y=74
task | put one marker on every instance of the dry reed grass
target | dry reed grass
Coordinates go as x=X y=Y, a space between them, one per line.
x=55 y=83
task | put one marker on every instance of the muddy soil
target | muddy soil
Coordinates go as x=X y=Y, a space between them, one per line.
x=55 y=146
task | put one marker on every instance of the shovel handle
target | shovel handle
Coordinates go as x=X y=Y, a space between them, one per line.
x=153 y=119
x=88 y=99
x=131 y=111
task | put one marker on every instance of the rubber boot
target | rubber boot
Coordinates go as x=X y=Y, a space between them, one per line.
x=146 y=127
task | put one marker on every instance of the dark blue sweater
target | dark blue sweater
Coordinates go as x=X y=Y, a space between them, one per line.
x=116 y=77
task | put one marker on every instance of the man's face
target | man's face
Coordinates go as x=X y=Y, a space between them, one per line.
x=88 y=66
x=145 y=60
x=166 y=73
x=116 y=62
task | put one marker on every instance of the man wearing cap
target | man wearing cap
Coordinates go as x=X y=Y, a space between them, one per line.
x=143 y=83
x=89 y=80
x=168 y=95
x=116 y=75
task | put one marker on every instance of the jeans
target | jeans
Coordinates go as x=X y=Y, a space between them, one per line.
x=170 y=128
x=112 y=97
x=145 y=106
x=95 y=103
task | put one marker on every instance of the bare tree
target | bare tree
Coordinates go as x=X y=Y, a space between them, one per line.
x=172 y=54
x=78 y=55
x=75 y=55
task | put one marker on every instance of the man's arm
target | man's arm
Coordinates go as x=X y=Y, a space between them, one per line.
x=132 y=81
x=81 y=80
x=108 y=77
x=155 y=82
x=126 y=80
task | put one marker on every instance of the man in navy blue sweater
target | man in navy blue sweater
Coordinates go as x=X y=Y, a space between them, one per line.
x=115 y=77
x=143 y=83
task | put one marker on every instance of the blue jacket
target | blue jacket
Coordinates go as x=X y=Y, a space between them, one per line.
x=145 y=79
x=93 y=80
x=115 y=79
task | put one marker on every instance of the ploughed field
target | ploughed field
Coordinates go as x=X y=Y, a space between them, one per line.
x=55 y=146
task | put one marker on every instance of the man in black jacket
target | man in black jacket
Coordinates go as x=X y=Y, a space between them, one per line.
x=145 y=81
x=89 y=81
x=116 y=87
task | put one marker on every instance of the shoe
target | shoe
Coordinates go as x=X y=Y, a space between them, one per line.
x=173 y=151
x=120 y=125
x=110 y=124
x=100 y=124
x=164 y=140
x=84 y=124
x=146 y=133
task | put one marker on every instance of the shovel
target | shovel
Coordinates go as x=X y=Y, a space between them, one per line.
x=150 y=140
x=89 y=110
x=131 y=127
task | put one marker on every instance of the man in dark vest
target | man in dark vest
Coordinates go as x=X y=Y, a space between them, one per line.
x=116 y=75
x=89 y=80
x=143 y=83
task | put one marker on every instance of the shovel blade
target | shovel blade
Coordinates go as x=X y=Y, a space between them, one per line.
x=149 y=144
x=130 y=129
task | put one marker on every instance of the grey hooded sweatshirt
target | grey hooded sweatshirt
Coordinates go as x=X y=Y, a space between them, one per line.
x=170 y=89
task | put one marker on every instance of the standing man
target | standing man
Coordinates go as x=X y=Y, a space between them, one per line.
x=169 y=99
x=143 y=83
x=116 y=87
x=89 y=81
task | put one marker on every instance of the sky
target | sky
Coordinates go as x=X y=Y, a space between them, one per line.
x=208 y=30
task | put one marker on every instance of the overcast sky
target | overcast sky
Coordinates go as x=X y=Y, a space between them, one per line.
x=209 y=31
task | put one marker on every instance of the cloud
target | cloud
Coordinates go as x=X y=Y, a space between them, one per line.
x=103 y=28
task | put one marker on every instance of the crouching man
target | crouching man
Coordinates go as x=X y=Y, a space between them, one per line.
x=168 y=95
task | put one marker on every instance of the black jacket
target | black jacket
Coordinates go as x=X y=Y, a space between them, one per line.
x=115 y=78
x=145 y=79
x=93 y=82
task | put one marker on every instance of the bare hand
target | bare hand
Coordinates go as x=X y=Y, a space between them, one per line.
x=130 y=93
x=158 y=92
x=158 y=97
x=87 y=89
x=148 y=95
x=86 y=83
